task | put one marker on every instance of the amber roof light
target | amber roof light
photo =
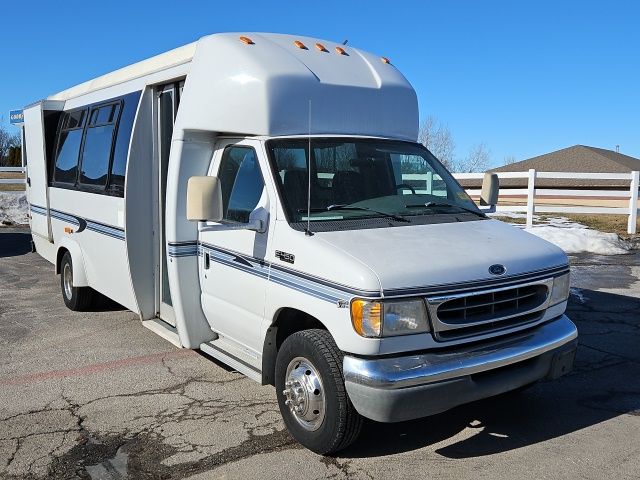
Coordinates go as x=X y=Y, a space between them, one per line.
x=341 y=51
x=246 y=40
x=300 y=45
x=321 y=47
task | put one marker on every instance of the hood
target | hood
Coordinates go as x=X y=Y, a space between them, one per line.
x=440 y=254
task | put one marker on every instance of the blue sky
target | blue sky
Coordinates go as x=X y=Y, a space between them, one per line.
x=525 y=79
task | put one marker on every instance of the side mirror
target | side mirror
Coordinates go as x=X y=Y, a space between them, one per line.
x=490 y=190
x=204 y=199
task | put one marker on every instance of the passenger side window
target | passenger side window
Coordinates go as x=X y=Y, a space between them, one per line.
x=69 y=146
x=241 y=182
x=98 y=143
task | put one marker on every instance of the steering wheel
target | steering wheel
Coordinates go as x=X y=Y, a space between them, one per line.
x=407 y=186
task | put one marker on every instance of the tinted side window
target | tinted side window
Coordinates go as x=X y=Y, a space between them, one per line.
x=98 y=143
x=241 y=182
x=69 y=142
x=125 y=126
x=51 y=122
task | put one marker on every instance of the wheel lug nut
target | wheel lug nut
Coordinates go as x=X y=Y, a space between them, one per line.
x=288 y=384
x=288 y=402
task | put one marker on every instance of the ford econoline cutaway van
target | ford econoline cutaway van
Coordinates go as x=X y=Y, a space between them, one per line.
x=262 y=198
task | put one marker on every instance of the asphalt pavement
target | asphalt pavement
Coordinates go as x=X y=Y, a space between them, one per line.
x=96 y=395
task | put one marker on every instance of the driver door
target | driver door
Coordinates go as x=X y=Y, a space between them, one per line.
x=233 y=271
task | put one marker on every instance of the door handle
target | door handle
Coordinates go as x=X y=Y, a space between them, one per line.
x=207 y=261
x=29 y=181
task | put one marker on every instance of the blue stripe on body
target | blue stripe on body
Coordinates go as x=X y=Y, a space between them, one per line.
x=102 y=228
x=320 y=288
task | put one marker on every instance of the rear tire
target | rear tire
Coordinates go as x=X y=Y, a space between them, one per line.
x=77 y=299
x=311 y=394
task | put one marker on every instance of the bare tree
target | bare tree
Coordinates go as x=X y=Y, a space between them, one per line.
x=476 y=161
x=509 y=160
x=8 y=142
x=438 y=139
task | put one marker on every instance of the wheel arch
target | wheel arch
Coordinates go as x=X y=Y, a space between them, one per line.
x=77 y=261
x=286 y=321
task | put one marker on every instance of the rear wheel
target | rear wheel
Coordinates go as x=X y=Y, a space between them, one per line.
x=75 y=298
x=311 y=393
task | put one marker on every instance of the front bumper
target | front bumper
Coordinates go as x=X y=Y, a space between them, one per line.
x=403 y=388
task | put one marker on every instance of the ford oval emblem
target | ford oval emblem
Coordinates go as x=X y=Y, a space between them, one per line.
x=497 y=269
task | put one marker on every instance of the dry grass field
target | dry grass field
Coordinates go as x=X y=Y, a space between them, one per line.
x=11 y=186
x=604 y=223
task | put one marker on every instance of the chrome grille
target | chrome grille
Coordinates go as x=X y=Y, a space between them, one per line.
x=471 y=313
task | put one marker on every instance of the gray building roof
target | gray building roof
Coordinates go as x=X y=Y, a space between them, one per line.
x=579 y=158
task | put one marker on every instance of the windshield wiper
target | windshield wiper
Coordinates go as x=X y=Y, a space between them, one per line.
x=330 y=208
x=445 y=204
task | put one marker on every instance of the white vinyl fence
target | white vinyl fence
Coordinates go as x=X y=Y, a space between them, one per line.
x=13 y=181
x=531 y=193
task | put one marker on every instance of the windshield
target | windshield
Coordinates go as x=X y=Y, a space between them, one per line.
x=355 y=178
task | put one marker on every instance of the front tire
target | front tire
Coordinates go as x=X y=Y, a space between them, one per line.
x=77 y=299
x=311 y=394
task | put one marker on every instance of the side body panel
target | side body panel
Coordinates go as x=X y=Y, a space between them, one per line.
x=97 y=223
x=191 y=155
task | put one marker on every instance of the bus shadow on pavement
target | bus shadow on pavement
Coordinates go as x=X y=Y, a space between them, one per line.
x=13 y=244
x=603 y=385
x=100 y=303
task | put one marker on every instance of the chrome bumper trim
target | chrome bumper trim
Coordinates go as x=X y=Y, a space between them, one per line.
x=427 y=368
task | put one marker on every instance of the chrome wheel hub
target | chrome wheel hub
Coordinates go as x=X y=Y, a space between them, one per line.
x=67 y=281
x=304 y=393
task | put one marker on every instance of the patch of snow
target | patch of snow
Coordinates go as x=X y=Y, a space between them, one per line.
x=561 y=222
x=13 y=208
x=577 y=238
x=578 y=293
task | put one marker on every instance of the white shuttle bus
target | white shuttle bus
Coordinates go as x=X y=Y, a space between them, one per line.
x=262 y=198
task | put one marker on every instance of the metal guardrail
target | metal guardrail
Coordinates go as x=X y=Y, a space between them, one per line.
x=531 y=193
x=13 y=181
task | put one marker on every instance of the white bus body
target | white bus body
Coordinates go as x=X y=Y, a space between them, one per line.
x=310 y=259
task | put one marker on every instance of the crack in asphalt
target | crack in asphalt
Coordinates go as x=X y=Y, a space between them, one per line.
x=154 y=448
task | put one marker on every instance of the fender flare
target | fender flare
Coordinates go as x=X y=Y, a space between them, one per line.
x=77 y=259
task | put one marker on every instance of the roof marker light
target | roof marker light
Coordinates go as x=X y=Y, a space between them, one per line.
x=341 y=51
x=385 y=60
x=300 y=45
x=321 y=47
x=246 y=40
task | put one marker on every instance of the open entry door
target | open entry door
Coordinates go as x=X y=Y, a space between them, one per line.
x=40 y=123
x=168 y=98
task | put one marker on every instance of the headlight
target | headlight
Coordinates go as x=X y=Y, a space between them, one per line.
x=560 y=290
x=387 y=319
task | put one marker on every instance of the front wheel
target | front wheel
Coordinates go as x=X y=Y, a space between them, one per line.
x=75 y=298
x=311 y=394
